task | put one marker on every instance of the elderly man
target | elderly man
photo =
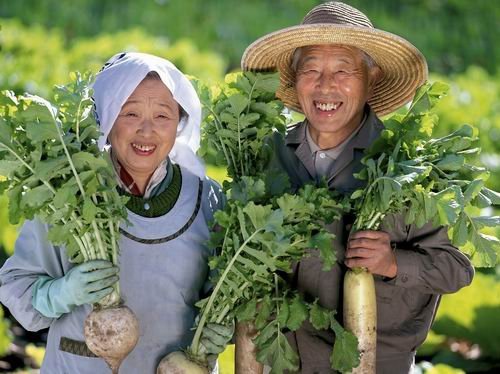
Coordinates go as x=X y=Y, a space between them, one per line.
x=342 y=73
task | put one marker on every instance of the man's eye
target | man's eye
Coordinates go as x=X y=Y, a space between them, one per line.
x=310 y=71
x=131 y=114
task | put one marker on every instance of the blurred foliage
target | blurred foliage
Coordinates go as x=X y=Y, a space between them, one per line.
x=36 y=353
x=474 y=99
x=34 y=59
x=453 y=34
x=465 y=333
x=433 y=343
x=428 y=368
x=5 y=334
x=479 y=306
x=443 y=369
x=8 y=232
x=217 y=173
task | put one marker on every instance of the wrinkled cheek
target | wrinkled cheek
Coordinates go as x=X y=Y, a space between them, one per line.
x=348 y=89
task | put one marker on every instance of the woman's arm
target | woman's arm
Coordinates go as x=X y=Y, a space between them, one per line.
x=34 y=257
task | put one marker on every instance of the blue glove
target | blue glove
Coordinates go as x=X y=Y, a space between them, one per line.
x=86 y=283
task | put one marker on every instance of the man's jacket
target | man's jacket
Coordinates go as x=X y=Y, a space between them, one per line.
x=428 y=264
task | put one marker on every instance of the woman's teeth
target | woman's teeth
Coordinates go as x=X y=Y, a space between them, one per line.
x=144 y=148
x=326 y=106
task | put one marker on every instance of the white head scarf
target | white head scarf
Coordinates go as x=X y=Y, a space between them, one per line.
x=121 y=75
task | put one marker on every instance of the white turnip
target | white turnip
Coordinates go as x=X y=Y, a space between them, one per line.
x=180 y=363
x=112 y=333
x=360 y=316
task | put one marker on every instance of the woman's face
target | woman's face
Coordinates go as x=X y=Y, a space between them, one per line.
x=145 y=129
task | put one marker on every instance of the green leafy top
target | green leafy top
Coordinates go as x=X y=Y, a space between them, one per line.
x=55 y=171
x=428 y=179
x=262 y=230
x=237 y=118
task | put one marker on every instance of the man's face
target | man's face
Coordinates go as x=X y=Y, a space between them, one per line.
x=333 y=84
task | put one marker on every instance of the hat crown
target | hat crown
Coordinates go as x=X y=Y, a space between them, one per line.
x=337 y=13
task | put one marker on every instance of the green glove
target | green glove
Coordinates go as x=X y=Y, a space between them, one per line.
x=215 y=337
x=86 y=283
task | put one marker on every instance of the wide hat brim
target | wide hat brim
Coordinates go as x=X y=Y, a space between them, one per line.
x=403 y=65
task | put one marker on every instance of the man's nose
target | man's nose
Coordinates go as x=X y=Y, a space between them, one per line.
x=327 y=82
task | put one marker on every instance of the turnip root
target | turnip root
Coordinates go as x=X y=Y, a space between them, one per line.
x=112 y=333
x=360 y=316
x=245 y=354
x=179 y=363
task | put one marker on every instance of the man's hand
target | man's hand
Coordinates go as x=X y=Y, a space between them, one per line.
x=371 y=250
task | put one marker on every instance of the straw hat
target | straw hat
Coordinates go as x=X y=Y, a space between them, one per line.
x=404 y=67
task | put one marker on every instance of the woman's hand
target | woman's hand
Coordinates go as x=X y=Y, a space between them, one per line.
x=86 y=283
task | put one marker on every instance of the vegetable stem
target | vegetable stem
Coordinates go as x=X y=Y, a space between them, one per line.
x=78 y=119
x=194 y=348
x=226 y=309
x=72 y=166
x=218 y=124
x=239 y=146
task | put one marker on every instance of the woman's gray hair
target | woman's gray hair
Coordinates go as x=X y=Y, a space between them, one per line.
x=297 y=54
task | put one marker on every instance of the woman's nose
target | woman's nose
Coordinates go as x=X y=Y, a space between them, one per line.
x=146 y=126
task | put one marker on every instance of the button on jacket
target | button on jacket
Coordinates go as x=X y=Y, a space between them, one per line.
x=428 y=264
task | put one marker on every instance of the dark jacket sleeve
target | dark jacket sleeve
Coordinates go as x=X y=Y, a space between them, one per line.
x=426 y=259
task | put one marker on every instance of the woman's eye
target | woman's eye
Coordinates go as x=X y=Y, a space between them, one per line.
x=131 y=114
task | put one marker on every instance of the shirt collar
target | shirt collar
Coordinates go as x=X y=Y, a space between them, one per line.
x=127 y=183
x=333 y=152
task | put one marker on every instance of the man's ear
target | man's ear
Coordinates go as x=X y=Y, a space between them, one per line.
x=375 y=74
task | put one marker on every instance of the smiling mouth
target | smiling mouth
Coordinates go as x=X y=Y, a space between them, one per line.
x=327 y=106
x=144 y=148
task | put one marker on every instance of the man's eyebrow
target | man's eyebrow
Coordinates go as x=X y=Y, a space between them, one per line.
x=346 y=60
x=307 y=59
x=313 y=58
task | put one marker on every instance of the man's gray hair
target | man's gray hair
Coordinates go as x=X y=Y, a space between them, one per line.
x=297 y=54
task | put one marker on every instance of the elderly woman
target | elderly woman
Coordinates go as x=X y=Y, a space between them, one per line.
x=149 y=116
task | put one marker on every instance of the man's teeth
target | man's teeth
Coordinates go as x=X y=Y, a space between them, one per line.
x=326 y=106
x=144 y=148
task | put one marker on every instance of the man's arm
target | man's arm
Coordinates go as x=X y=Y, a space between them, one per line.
x=424 y=260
